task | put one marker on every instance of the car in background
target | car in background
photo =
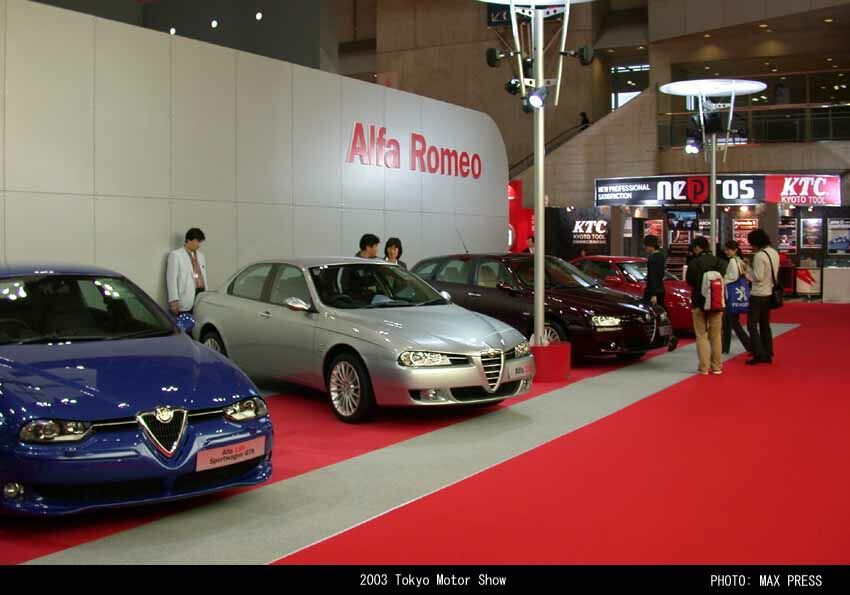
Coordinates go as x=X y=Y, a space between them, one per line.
x=628 y=274
x=595 y=320
x=367 y=332
x=105 y=402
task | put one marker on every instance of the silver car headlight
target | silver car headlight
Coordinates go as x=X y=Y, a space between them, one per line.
x=45 y=431
x=605 y=321
x=421 y=359
x=246 y=410
x=522 y=349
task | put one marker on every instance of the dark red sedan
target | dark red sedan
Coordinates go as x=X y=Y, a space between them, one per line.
x=628 y=274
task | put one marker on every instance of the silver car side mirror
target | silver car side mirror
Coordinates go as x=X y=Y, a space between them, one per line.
x=296 y=305
x=446 y=296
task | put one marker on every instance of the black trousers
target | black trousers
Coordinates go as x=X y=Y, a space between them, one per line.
x=732 y=322
x=759 y=326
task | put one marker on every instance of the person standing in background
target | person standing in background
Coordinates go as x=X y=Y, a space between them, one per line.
x=368 y=246
x=393 y=252
x=707 y=325
x=186 y=273
x=656 y=271
x=764 y=276
x=732 y=321
x=529 y=245
x=585 y=121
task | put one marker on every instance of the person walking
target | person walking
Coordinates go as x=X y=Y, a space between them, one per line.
x=764 y=277
x=656 y=270
x=368 y=246
x=707 y=324
x=735 y=270
x=393 y=251
x=186 y=273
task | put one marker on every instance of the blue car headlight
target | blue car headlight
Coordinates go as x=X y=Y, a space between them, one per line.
x=246 y=410
x=420 y=359
x=522 y=349
x=45 y=431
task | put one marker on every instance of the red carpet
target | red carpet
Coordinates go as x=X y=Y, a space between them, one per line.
x=307 y=437
x=746 y=468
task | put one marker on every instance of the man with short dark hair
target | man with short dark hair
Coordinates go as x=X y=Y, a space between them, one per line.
x=368 y=246
x=708 y=326
x=764 y=276
x=186 y=273
x=656 y=270
x=529 y=245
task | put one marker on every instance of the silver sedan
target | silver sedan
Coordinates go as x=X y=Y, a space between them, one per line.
x=368 y=332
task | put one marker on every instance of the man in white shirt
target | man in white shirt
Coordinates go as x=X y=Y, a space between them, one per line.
x=764 y=275
x=186 y=274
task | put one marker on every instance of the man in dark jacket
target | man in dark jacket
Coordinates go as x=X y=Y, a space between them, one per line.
x=656 y=270
x=708 y=326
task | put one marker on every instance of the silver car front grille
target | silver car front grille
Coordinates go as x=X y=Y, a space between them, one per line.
x=492 y=362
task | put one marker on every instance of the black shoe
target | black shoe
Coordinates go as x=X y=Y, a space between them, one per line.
x=674 y=341
x=756 y=360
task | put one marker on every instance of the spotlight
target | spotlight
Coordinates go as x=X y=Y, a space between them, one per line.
x=513 y=86
x=584 y=54
x=495 y=56
x=691 y=147
x=537 y=98
x=259 y=16
x=214 y=24
x=173 y=31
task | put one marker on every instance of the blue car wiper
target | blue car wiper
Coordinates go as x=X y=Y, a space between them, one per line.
x=390 y=305
x=158 y=332
x=57 y=337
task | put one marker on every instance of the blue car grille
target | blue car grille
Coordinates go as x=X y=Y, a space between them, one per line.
x=143 y=489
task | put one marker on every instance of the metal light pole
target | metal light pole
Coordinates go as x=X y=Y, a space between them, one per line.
x=703 y=90
x=713 y=193
x=539 y=187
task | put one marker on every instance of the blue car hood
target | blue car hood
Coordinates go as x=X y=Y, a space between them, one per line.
x=103 y=380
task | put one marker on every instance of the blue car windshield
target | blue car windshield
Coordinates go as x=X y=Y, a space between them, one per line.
x=53 y=308
x=353 y=286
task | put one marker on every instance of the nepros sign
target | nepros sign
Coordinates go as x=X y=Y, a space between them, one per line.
x=590 y=231
x=372 y=146
x=743 y=189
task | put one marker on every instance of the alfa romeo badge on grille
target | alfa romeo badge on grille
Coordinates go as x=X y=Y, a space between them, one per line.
x=164 y=427
x=164 y=414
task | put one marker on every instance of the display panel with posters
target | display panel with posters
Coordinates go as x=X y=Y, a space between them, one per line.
x=812 y=234
x=787 y=232
x=740 y=229
x=682 y=220
x=838 y=236
x=677 y=254
x=654 y=227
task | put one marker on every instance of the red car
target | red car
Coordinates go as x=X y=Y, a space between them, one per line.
x=628 y=274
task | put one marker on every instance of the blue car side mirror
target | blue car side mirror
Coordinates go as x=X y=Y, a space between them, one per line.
x=186 y=322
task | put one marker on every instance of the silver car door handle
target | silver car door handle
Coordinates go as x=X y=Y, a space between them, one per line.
x=471 y=294
x=265 y=314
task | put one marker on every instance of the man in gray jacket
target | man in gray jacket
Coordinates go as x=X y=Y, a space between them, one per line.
x=186 y=274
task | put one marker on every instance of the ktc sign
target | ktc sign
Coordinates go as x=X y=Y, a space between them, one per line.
x=375 y=148
x=590 y=232
x=732 y=190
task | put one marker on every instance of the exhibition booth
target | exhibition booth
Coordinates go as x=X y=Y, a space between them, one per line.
x=802 y=212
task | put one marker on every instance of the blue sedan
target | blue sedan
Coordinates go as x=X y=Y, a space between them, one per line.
x=104 y=402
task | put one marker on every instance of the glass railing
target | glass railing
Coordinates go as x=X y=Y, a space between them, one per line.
x=795 y=107
x=770 y=124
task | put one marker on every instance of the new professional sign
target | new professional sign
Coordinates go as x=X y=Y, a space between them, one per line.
x=732 y=190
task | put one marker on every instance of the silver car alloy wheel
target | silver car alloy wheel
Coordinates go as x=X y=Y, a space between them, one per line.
x=213 y=344
x=550 y=334
x=344 y=386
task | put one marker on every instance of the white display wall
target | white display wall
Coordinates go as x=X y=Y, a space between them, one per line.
x=116 y=139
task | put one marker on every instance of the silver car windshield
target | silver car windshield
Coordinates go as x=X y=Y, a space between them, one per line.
x=352 y=286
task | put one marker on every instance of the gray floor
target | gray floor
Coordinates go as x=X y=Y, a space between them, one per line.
x=279 y=519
